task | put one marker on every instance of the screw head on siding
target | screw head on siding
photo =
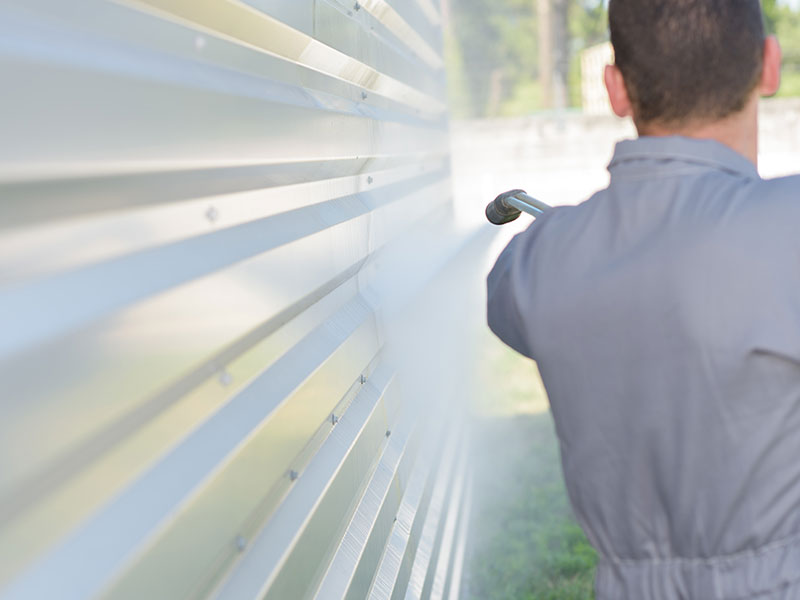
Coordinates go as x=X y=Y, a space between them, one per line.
x=363 y=379
x=388 y=432
x=363 y=95
x=357 y=6
x=370 y=179
x=293 y=475
x=212 y=214
x=241 y=543
x=225 y=378
x=334 y=419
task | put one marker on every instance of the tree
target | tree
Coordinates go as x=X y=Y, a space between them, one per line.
x=494 y=52
x=588 y=23
x=772 y=14
x=496 y=45
x=785 y=22
x=554 y=47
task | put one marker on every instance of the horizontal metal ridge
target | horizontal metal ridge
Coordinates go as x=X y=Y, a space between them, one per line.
x=448 y=543
x=240 y=22
x=386 y=14
x=359 y=34
x=401 y=544
x=251 y=576
x=42 y=199
x=97 y=290
x=430 y=10
x=348 y=573
x=431 y=533
x=113 y=537
x=249 y=73
x=68 y=464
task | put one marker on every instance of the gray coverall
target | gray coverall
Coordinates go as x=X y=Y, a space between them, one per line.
x=664 y=315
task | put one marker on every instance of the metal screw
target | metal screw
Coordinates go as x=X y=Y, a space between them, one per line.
x=370 y=179
x=388 y=432
x=241 y=543
x=363 y=379
x=357 y=6
x=212 y=214
x=363 y=95
x=225 y=378
x=293 y=475
x=334 y=419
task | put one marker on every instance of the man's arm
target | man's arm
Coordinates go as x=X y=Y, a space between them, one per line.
x=502 y=311
x=508 y=287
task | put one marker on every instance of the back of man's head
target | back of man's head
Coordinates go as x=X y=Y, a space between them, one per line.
x=687 y=60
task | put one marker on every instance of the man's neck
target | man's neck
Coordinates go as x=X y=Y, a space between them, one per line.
x=739 y=131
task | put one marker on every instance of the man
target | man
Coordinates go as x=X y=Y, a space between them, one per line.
x=664 y=314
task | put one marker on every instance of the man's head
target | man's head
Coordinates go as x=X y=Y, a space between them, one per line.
x=681 y=62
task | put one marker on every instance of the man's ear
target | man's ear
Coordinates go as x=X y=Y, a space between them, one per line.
x=771 y=74
x=617 y=92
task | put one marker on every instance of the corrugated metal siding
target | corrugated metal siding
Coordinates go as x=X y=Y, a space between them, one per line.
x=224 y=229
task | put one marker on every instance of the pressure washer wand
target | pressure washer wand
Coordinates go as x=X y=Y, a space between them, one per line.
x=509 y=206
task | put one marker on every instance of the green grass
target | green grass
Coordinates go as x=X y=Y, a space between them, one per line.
x=525 y=544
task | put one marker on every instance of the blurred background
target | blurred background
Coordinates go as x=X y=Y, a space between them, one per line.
x=513 y=58
x=529 y=111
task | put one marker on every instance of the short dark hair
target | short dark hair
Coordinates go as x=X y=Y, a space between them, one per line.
x=685 y=60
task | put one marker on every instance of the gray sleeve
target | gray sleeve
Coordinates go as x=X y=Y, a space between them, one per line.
x=504 y=313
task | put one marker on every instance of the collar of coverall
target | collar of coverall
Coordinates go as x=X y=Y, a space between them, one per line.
x=653 y=154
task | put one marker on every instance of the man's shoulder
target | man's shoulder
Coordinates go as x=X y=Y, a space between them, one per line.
x=565 y=217
x=554 y=235
x=782 y=188
x=550 y=223
x=774 y=199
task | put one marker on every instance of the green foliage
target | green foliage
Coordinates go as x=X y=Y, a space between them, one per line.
x=588 y=23
x=492 y=52
x=787 y=28
x=497 y=41
x=772 y=14
x=495 y=53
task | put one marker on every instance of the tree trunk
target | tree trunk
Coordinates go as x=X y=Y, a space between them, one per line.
x=545 y=20
x=560 y=53
x=554 y=52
